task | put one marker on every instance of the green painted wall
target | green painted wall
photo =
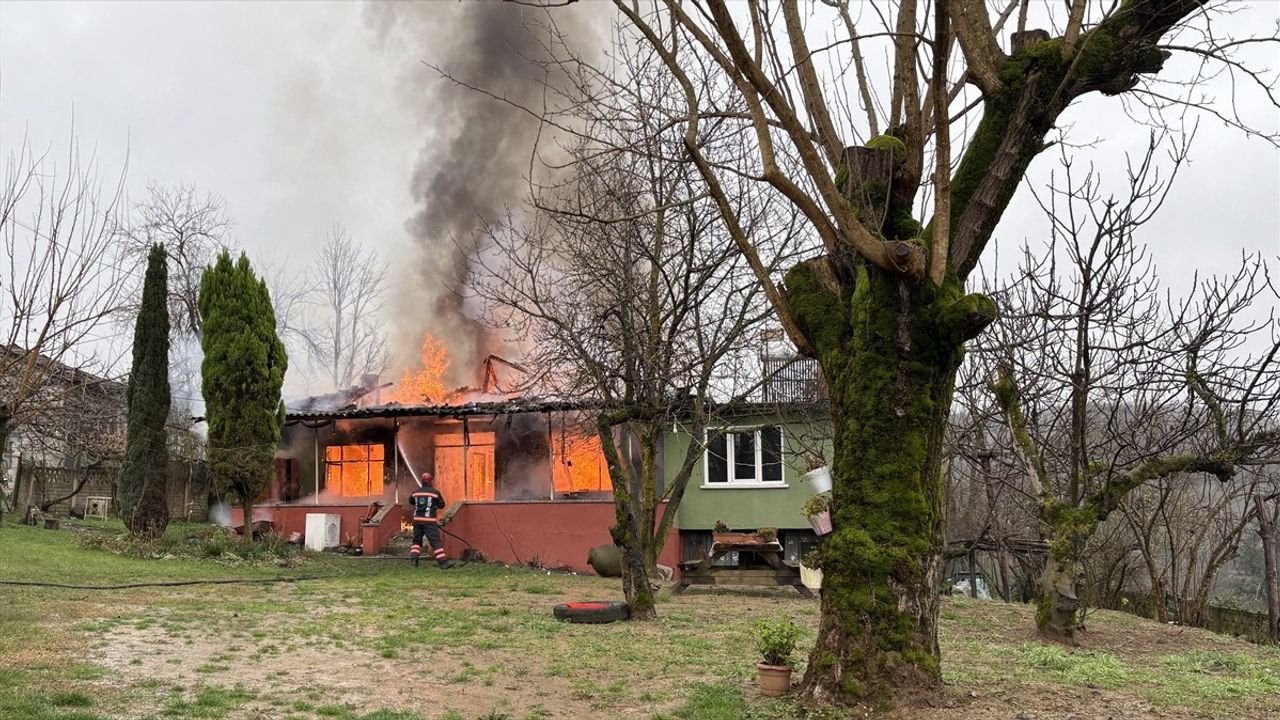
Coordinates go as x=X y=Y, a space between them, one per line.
x=746 y=508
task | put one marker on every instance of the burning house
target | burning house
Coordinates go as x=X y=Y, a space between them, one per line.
x=524 y=477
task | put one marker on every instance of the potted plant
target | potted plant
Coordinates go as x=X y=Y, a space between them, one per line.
x=811 y=569
x=818 y=510
x=767 y=534
x=775 y=641
x=818 y=475
x=724 y=536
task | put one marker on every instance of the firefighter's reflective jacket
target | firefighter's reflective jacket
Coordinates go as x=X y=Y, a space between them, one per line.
x=427 y=503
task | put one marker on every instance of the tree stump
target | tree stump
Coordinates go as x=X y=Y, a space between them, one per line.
x=52 y=524
x=868 y=182
x=1028 y=39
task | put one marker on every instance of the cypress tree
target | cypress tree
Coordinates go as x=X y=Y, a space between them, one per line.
x=143 y=480
x=243 y=370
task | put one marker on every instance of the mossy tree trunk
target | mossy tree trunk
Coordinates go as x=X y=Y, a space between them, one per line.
x=246 y=506
x=628 y=532
x=889 y=351
x=1066 y=531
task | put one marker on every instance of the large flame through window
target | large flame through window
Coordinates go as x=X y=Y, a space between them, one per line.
x=354 y=470
x=579 y=464
x=465 y=472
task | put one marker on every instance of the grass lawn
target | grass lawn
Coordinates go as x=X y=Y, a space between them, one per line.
x=378 y=640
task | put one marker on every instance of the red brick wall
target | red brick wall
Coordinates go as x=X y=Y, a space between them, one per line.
x=289 y=519
x=559 y=534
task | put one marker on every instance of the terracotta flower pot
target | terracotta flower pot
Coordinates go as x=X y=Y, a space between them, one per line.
x=775 y=680
x=819 y=480
x=821 y=522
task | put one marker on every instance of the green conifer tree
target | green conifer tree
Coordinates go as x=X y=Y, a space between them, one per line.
x=143 y=480
x=243 y=370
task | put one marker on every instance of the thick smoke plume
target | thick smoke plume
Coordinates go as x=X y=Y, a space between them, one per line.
x=474 y=160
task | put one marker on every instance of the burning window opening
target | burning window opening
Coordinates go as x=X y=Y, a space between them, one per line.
x=579 y=464
x=464 y=467
x=354 y=470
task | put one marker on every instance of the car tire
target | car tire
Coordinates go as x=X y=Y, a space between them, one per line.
x=602 y=611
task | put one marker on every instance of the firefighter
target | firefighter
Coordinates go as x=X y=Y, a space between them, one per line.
x=427 y=504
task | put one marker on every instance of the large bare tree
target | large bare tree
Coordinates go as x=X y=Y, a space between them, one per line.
x=345 y=290
x=192 y=228
x=1106 y=385
x=884 y=306
x=625 y=291
x=62 y=287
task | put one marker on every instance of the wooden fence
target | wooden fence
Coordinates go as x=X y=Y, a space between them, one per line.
x=188 y=491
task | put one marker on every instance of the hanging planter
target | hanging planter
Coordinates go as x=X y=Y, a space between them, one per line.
x=810 y=577
x=819 y=479
x=811 y=569
x=821 y=522
x=818 y=510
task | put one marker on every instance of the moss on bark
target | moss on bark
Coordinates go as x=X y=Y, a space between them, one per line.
x=889 y=351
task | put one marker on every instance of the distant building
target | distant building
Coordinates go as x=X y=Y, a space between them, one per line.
x=68 y=446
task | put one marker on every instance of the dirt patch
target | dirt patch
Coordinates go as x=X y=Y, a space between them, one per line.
x=346 y=676
x=484 y=639
x=519 y=660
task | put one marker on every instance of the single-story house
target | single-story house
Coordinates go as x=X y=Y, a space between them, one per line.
x=525 y=478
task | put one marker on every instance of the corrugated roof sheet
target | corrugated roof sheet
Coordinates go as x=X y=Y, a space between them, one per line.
x=394 y=410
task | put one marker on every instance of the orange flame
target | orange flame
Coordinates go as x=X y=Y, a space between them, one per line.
x=579 y=464
x=426 y=382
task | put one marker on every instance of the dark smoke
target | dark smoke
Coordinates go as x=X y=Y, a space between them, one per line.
x=474 y=159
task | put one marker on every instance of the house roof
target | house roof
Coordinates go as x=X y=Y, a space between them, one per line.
x=14 y=353
x=396 y=410
x=513 y=406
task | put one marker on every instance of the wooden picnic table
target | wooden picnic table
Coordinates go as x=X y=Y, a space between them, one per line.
x=706 y=572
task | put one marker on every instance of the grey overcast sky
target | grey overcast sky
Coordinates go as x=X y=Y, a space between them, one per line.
x=296 y=114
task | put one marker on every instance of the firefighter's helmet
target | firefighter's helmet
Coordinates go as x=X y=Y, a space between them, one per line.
x=427 y=478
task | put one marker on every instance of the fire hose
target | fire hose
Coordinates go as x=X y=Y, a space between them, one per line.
x=467 y=557
x=172 y=583
x=471 y=551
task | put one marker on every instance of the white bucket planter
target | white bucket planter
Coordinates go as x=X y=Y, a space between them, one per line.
x=811 y=577
x=819 y=480
x=821 y=523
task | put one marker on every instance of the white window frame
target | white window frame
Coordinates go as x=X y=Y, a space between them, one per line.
x=758 y=483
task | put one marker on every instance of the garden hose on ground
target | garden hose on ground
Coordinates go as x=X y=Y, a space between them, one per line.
x=462 y=540
x=170 y=583
x=224 y=581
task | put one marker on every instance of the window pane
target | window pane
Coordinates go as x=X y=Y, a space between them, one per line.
x=744 y=456
x=717 y=461
x=771 y=453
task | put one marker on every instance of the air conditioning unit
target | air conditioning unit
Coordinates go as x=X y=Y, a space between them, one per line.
x=323 y=531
